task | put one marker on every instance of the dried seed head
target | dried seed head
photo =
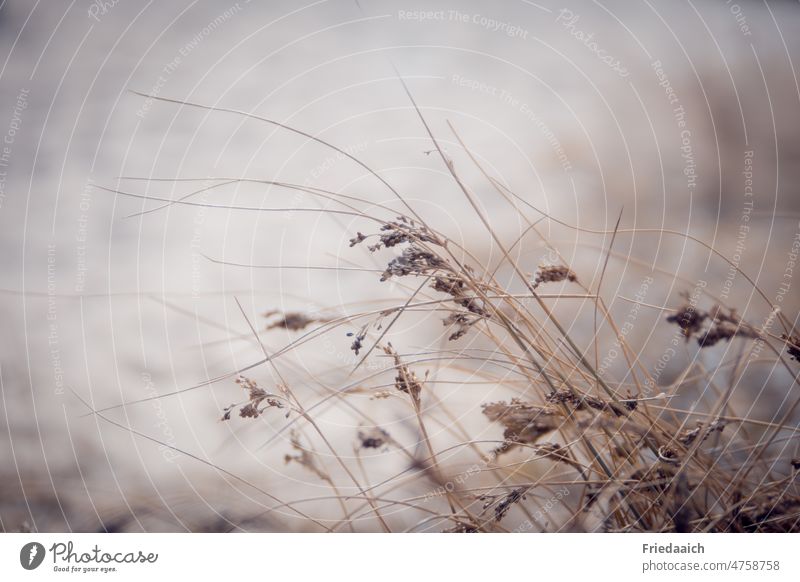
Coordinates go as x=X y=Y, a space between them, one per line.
x=553 y=274
x=688 y=436
x=668 y=455
x=293 y=321
x=792 y=346
x=358 y=342
x=462 y=323
x=406 y=380
x=398 y=231
x=258 y=400
x=724 y=326
x=304 y=457
x=584 y=401
x=373 y=438
x=524 y=422
x=555 y=452
x=359 y=238
x=716 y=334
x=414 y=261
x=456 y=288
x=505 y=504
x=689 y=319
x=449 y=285
x=630 y=403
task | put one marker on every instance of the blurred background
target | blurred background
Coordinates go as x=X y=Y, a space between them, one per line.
x=673 y=115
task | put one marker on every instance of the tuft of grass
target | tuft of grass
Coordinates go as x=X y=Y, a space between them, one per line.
x=573 y=446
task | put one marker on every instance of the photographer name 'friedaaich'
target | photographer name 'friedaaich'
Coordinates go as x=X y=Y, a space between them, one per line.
x=673 y=548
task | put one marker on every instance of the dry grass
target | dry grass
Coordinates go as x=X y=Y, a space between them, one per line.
x=582 y=448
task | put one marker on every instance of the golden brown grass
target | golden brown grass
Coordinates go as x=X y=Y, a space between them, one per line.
x=583 y=448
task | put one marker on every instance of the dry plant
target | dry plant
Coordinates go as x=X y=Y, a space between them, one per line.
x=575 y=447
